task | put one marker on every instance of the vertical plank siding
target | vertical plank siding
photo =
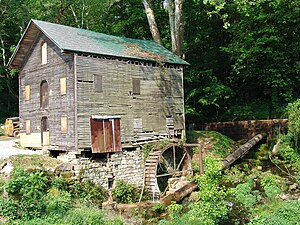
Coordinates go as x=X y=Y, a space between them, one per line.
x=155 y=102
x=59 y=65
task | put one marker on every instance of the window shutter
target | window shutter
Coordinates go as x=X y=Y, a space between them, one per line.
x=168 y=87
x=98 y=83
x=64 y=124
x=44 y=54
x=136 y=86
x=27 y=92
x=63 y=86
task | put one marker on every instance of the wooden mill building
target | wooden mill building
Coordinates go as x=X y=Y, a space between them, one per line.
x=81 y=90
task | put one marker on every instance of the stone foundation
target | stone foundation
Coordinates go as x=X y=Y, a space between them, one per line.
x=125 y=165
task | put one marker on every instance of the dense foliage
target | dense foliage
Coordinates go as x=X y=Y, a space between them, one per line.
x=40 y=197
x=244 y=55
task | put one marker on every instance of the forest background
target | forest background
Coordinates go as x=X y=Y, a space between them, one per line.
x=244 y=55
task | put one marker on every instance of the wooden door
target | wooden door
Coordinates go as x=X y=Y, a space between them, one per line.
x=105 y=135
x=45 y=132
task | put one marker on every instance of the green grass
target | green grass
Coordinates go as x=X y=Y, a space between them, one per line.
x=211 y=141
x=33 y=161
x=81 y=215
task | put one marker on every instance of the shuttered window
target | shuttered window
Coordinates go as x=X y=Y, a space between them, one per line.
x=44 y=53
x=136 y=86
x=63 y=86
x=44 y=95
x=98 y=83
x=27 y=126
x=64 y=125
x=168 y=87
x=27 y=92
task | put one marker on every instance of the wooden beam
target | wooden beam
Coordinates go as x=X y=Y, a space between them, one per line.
x=241 y=151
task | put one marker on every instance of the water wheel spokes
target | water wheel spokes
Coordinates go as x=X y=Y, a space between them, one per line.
x=162 y=164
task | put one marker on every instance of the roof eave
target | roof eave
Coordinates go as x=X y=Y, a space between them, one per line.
x=48 y=36
x=11 y=59
x=65 y=50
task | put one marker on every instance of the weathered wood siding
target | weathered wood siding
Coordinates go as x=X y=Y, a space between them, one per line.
x=161 y=96
x=59 y=65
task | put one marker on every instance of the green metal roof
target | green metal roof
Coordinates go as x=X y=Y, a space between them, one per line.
x=85 y=41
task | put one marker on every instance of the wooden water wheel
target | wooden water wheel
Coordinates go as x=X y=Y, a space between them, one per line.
x=162 y=164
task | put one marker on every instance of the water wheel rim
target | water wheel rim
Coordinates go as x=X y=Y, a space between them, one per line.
x=174 y=168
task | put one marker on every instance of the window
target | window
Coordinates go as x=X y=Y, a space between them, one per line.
x=168 y=87
x=27 y=126
x=98 y=83
x=44 y=95
x=27 y=92
x=64 y=125
x=136 y=86
x=44 y=53
x=137 y=124
x=63 y=86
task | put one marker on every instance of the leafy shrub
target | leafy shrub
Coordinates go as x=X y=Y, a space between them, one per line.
x=60 y=183
x=270 y=184
x=82 y=215
x=146 y=149
x=28 y=189
x=286 y=212
x=158 y=207
x=212 y=206
x=125 y=192
x=88 y=192
x=8 y=208
x=174 y=210
x=2 y=185
x=57 y=201
x=245 y=195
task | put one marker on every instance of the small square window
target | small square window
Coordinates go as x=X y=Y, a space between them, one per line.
x=27 y=126
x=64 y=124
x=63 y=86
x=27 y=92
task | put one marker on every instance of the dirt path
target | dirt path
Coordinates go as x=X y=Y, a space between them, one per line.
x=7 y=149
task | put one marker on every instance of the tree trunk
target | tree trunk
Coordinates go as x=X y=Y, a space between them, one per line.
x=174 y=8
x=3 y=51
x=170 y=7
x=152 y=22
x=178 y=26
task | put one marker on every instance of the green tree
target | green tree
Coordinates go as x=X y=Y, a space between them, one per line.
x=264 y=50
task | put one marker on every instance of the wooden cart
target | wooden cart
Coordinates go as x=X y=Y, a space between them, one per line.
x=12 y=127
